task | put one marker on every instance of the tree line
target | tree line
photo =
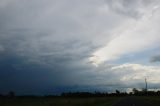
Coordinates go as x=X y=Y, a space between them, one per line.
x=134 y=92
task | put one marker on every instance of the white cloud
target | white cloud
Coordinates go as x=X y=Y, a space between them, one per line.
x=126 y=76
x=132 y=36
x=136 y=73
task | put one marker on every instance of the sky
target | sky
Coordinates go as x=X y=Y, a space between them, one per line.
x=55 y=46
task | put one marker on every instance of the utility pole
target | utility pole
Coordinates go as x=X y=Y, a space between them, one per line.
x=146 y=83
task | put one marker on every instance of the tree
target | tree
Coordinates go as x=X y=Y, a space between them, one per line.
x=11 y=94
x=135 y=91
x=117 y=92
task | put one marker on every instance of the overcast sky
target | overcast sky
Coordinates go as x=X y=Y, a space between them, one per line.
x=54 y=46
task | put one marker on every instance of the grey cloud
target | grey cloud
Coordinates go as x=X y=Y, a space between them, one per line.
x=132 y=8
x=155 y=58
x=1 y=49
x=48 y=29
x=46 y=44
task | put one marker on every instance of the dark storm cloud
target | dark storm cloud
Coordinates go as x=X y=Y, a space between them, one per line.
x=34 y=64
x=45 y=44
x=22 y=68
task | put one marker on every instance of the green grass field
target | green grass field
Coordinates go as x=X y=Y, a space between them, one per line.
x=99 y=101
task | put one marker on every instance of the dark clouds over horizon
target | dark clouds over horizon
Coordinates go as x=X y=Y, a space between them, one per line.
x=51 y=46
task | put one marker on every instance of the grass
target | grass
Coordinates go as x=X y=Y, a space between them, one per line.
x=98 y=101
x=153 y=100
x=93 y=101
